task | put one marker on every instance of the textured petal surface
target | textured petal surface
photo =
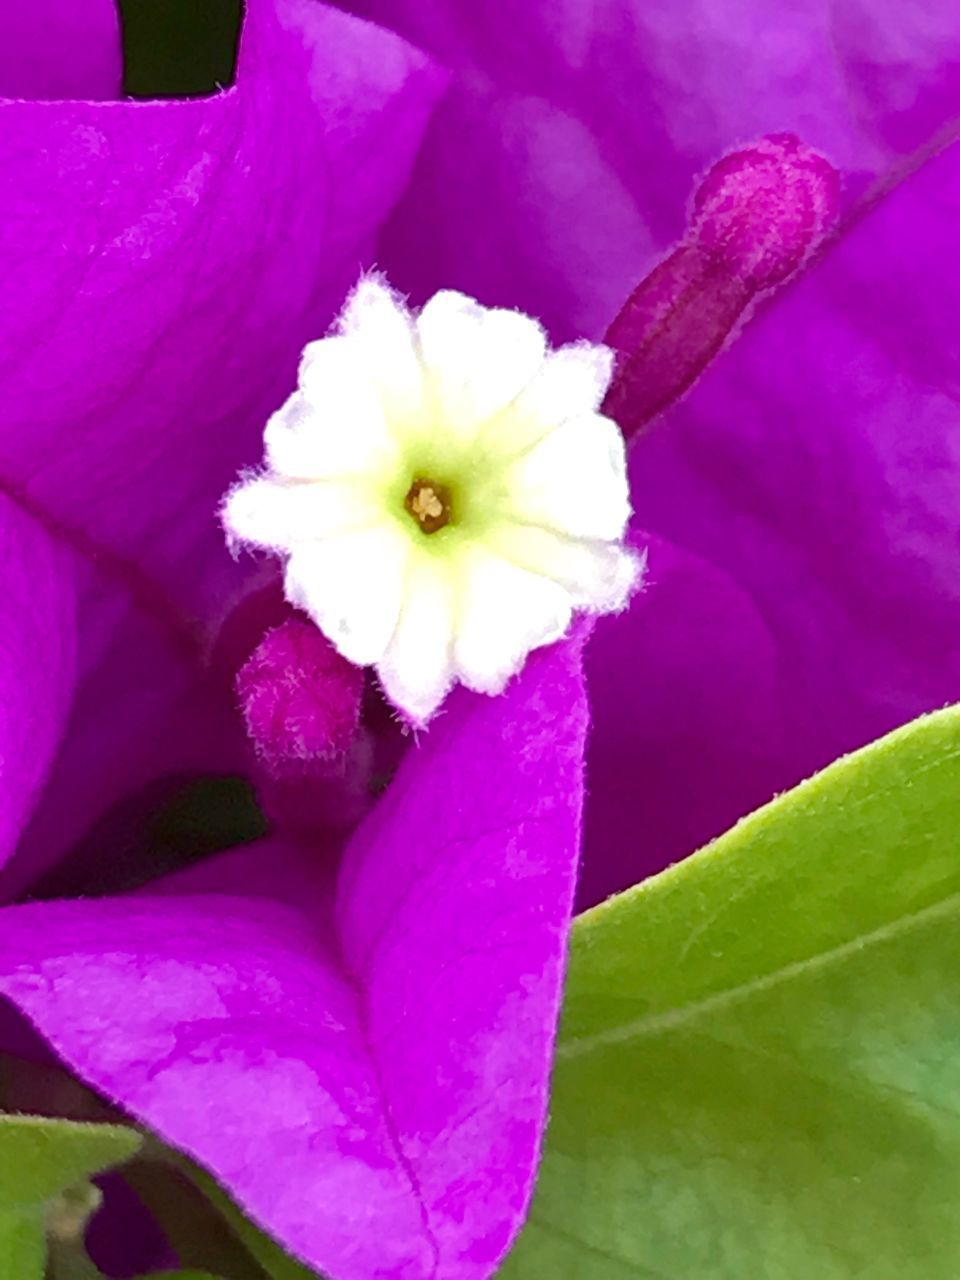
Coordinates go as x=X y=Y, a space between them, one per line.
x=585 y=124
x=817 y=467
x=386 y=1043
x=53 y=49
x=199 y=244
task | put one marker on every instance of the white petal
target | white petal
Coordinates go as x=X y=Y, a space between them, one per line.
x=503 y=612
x=352 y=586
x=574 y=480
x=275 y=514
x=599 y=576
x=384 y=335
x=417 y=669
x=336 y=425
x=571 y=382
x=290 y=437
x=477 y=359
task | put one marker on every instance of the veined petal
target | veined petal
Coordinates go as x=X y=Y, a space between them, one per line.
x=477 y=359
x=417 y=669
x=574 y=480
x=351 y=586
x=336 y=426
x=599 y=576
x=277 y=514
x=503 y=612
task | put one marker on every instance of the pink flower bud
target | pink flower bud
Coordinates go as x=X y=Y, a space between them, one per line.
x=756 y=218
x=300 y=701
x=760 y=212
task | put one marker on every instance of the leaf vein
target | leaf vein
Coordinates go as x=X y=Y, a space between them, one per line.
x=653 y=1024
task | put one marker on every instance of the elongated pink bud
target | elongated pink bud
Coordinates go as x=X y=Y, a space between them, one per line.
x=756 y=218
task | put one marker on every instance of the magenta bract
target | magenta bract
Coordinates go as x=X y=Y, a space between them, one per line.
x=361 y=1055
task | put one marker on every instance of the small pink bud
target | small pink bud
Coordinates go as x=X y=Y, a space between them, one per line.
x=300 y=701
x=756 y=218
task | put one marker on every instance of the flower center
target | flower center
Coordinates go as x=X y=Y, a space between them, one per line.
x=429 y=504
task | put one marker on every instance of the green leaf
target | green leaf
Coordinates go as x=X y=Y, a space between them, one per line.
x=42 y=1160
x=23 y=1249
x=759 y=1065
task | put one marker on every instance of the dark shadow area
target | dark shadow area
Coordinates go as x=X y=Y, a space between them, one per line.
x=179 y=48
x=169 y=825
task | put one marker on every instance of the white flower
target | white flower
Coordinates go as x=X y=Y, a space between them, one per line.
x=445 y=491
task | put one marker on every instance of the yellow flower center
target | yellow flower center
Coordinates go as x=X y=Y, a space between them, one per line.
x=429 y=504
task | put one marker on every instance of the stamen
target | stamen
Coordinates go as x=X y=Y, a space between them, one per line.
x=429 y=504
x=756 y=218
